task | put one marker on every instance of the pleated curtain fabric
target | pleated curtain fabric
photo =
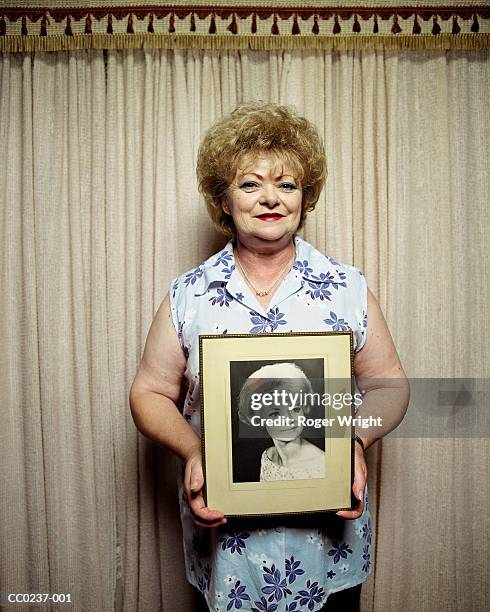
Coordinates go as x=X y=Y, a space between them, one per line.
x=100 y=210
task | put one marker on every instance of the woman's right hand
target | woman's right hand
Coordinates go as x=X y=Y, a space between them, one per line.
x=193 y=486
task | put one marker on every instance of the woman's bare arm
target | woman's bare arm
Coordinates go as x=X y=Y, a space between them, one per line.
x=386 y=392
x=380 y=377
x=156 y=388
x=153 y=397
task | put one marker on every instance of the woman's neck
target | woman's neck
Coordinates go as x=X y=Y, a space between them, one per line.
x=263 y=265
x=264 y=253
x=264 y=272
x=288 y=451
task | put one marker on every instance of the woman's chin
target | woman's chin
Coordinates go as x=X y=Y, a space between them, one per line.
x=288 y=436
x=271 y=234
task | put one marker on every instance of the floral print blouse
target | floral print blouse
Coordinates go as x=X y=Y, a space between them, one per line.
x=281 y=564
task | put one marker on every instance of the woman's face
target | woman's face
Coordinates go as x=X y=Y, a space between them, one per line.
x=289 y=428
x=289 y=411
x=264 y=200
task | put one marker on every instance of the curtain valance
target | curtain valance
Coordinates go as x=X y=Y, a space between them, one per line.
x=259 y=24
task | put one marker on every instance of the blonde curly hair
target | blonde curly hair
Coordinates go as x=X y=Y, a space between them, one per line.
x=251 y=130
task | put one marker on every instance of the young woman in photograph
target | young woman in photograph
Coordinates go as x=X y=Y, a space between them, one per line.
x=291 y=457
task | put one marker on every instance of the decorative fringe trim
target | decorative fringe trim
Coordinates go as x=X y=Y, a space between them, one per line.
x=338 y=42
x=272 y=25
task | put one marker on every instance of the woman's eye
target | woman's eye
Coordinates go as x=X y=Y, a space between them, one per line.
x=248 y=185
x=288 y=186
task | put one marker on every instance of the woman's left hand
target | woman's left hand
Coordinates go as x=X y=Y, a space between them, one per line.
x=360 y=478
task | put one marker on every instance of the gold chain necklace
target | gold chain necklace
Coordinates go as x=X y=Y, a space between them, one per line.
x=266 y=291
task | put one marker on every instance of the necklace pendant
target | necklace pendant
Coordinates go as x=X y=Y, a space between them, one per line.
x=267 y=291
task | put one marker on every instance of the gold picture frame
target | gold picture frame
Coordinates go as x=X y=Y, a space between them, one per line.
x=236 y=481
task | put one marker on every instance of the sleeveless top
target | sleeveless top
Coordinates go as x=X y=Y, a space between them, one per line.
x=284 y=564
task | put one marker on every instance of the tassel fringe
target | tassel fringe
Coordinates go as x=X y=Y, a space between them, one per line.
x=340 y=42
x=240 y=24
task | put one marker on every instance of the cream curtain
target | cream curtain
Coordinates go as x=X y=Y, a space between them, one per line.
x=100 y=210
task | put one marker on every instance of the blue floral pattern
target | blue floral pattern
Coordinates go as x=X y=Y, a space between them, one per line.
x=366 y=531
x=337 y=324
x=276 y=587
x=367 y=558
x=180 y=335
x=227 y=272
x=303 y=267
x=269 y=570
x=276 y=318
x=221 y=297
x=237 y=596
x=264 y=606
x=259 y=323
x=269 y=323
x=192 y=276
x=313 y=594
x=223 y=258
x=235 y=542
x=175 y=286
x=339 y=551
x=204 y=579
x=293 y=570
x=318 y=291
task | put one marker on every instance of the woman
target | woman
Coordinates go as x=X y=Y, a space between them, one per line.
x=261 y=170
x=291 y=457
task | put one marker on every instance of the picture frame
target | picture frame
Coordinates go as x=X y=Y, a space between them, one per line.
x=294 y=453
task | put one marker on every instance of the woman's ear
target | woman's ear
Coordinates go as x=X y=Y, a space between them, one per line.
x=224 y=205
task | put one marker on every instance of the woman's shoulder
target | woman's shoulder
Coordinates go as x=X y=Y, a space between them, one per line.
x=311 y=450
x=215 y=268
x=314 y=264
x=269 y=454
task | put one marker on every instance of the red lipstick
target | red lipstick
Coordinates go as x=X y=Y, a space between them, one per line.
x=269 y=217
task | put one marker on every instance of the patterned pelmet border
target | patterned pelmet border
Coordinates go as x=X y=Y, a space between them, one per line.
x=255 y=27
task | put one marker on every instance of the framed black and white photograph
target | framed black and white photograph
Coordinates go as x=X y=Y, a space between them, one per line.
x=276 y=419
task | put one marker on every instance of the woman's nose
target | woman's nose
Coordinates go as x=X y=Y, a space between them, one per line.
x=269 y=196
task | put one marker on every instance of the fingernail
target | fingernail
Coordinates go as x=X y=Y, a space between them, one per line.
x=194 y=485
x=360 y=495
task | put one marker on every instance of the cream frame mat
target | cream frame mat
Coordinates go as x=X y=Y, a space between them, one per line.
x=219 y=354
